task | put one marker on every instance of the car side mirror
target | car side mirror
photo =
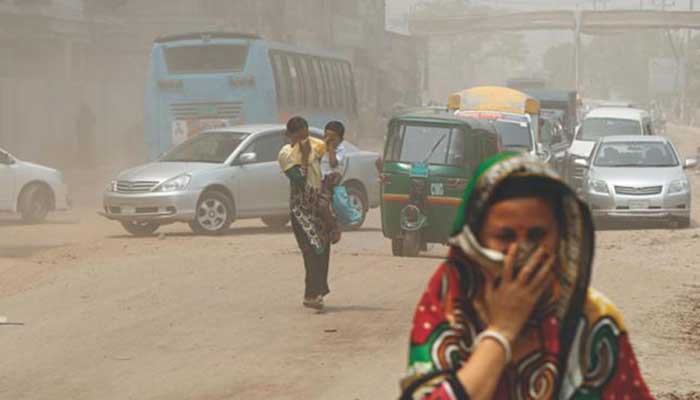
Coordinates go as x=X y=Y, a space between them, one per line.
x=247 y=158
x=6 y=159
x=543 y=153
x=581 y=162
x=690 y=163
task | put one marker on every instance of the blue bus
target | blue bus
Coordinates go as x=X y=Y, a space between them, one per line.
x=200 y=81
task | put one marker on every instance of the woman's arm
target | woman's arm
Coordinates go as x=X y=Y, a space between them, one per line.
x=507 y=304
x=296 y=177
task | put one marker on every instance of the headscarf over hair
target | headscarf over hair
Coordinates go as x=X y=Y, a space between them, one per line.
x=490 y=184
x=576 y=347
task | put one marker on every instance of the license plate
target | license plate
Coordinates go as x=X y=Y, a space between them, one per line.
x=437 y=189
x=638 y=204
x=419 y=170
x=128 y=210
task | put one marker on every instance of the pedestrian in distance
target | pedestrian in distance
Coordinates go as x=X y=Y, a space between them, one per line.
x=301 y=162
x=509 y=314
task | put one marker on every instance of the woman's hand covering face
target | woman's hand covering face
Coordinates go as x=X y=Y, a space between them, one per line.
x=509 y=299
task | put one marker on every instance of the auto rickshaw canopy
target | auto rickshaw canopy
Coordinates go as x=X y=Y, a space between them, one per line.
x=493 y=98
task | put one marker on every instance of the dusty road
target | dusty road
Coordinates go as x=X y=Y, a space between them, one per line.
x=107 y=316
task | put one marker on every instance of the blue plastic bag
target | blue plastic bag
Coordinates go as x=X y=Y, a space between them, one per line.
x=346 y=214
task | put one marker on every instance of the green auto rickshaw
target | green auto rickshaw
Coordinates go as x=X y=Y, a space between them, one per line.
x=429 y=157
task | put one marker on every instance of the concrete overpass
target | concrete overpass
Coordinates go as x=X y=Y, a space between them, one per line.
x=587 y=22
x=578 y=22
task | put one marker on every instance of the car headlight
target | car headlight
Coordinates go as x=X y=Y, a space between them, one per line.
x=679 y=186
x=112 y=187
x=176 y=184
x=598 y=186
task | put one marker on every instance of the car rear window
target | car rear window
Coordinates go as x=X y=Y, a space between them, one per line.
x=596 y=128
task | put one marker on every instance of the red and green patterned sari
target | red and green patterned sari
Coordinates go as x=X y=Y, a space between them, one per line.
x=574 y=347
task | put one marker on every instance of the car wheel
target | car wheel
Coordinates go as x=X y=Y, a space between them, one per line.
x=140 y=228
x=35 y=203
x=412 y=243
x=214 y=214
x=358 y=201
x=276 y=222
x=397 y=247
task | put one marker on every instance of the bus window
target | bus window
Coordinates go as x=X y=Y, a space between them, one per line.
x=320 y=83
x=332 y=83
x=329 y=84
x=347 y=83
x=287 y=80
x=295 y=82
x=341 y=83
x=309 y=82
x=344 y=85
x=351 y=84
x=281 y=80
x=214 y=58
x=303 y=92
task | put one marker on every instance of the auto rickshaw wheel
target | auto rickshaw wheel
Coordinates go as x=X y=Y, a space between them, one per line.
x=412 y=244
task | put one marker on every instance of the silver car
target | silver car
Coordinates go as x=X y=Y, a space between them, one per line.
x=222 y=175
x=637 y=178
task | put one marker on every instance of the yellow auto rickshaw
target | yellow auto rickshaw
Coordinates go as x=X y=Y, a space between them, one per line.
x=515 y=115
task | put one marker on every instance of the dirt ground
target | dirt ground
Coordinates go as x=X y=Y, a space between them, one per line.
x=96 y=314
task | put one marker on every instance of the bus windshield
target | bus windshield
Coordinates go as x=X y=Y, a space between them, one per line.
x=207 y=59
x=213 y=147
x=430 y=144
x=596 y=128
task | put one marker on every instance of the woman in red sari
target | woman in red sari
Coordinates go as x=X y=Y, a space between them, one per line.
x=510 y=314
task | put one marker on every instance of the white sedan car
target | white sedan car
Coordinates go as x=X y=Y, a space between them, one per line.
x=29 y=189
x=222 y=175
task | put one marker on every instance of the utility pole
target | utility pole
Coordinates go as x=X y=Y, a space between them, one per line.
x=685 y=109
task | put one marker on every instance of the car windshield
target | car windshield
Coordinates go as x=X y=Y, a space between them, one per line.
x=514 y=134
x=430 y=144
x=596 y=128
x=636 y=154
x=214 y=147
